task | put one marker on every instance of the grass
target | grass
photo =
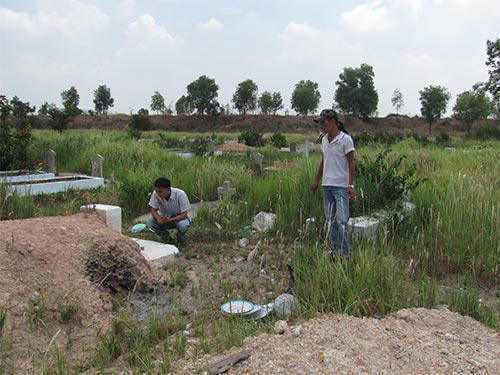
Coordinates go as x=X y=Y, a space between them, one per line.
x=453 y=232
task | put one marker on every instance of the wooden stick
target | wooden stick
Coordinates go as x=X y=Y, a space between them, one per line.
x=226 y=364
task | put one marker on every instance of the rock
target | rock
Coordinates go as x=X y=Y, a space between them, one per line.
x=281 y=327
x=243 y=242
x=297 y=331
x=286 y=305
x=263 y=221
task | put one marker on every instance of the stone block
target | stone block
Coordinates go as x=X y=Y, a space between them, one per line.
x=364 y=227
x=111 y=214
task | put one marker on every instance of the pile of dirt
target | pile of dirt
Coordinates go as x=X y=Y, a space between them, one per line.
x=52 y=266
x=49 y=263
x=233 y=147
x=412 y=341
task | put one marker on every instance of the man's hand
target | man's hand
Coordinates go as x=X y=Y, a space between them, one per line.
x=314 y=187
x=163 y=220
x=351 y=192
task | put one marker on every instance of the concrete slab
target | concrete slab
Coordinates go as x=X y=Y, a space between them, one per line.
x=112 y=214
x=152 y=250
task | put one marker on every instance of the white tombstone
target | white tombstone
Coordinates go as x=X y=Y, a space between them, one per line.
x=50 y=158
x=97 y=161
x=111 y=214
x=365 y=227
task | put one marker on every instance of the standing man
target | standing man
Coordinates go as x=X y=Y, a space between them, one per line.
x=337 y=171
x=169 y=210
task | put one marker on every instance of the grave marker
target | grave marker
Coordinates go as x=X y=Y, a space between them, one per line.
x=97 y=161
x=226 y=190
x=50 y=158
x=257 y=159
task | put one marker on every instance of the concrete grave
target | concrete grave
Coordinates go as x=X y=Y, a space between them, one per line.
x=226 y=191
x=97 y=162
x=363 y=226
x=152 y=250
x=50 y=159
x=111 y=214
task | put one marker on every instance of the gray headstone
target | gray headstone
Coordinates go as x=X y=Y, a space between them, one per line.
x=226 y=190
x=257 y=159
x=211 y=145
x=306 y=147
x=97 y=161
x=293 y=147
x=50 y=159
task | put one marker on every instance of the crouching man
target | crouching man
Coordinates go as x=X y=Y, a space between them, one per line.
x=169 y=210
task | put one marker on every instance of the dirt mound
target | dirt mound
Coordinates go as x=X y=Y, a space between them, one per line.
x=118 y=266
x=56 y=279
x=233 y=147
x=413 y=341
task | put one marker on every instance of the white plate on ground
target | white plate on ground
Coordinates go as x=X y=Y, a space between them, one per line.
x=237 y=307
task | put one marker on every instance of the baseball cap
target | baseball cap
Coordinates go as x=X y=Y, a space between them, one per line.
x=327 y=114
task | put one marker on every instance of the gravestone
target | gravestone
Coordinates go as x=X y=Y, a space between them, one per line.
x=50 y=158
x=257 y=159
x=306 y=147
x=293 y=147
x=97 y=161
x=211 y=145
x=226 y=191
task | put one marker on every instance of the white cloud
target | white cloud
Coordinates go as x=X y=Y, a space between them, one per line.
x=211 y=24
x=146 y=27
x=369 y=17
x=76 y=19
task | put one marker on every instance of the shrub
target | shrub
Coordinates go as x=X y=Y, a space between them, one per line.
x=443 y=139
x=15 y=139
x=141 y=120
x=484 y=132
x=251 y=137
x=278 y=140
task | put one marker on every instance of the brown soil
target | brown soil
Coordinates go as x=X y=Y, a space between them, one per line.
x=47 y=263
x=264 y=124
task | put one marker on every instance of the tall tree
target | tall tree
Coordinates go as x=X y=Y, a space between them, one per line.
x=203 y=94
x=266 y=102
x=434 y=100
x=355 y=93
x=21 y=110
x=493 y=63
x=70 y=97
x=102 y=99
x=158 y=103
x=245 y=97
x=471 y=106
x=277 y=102
x=183 y=106
x=305 y=97
x=397 y=100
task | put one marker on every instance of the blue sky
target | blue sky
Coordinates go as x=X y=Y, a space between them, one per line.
x=137 y=47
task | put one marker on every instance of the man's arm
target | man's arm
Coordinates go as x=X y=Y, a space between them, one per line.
x=319 y=175
x=350 y=165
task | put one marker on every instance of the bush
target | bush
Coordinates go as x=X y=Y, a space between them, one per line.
x=251 y=137
x=443 y=139
x=278 y=140
x=484 y=132
x=15 y=140
x=141 y=121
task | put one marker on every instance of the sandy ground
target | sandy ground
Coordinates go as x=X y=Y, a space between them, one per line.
x=49 y=263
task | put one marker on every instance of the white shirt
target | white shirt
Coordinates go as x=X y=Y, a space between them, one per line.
x=176 y=204
x=335 y=165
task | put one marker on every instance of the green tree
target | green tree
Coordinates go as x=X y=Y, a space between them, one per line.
x=60 y=118
x=103 y=100
x=277 y=102
x=493 y=63
x=245 y=97
x=397 y=100
x=202 y=93
x=44 y=108
x=21 y=110
x=305 y=97
x=434 y=100
x=265 y=103
x=141 y=120
x=71 y=100
x=158 y=103
x=471 y=106
x=183 y=106
x=355 y=93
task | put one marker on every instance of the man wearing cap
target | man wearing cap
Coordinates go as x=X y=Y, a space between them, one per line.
x=169 y=210
x=337 y=172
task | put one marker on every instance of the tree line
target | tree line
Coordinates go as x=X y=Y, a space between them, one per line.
x=355 y=95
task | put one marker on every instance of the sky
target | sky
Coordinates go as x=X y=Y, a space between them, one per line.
x=137 y=47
